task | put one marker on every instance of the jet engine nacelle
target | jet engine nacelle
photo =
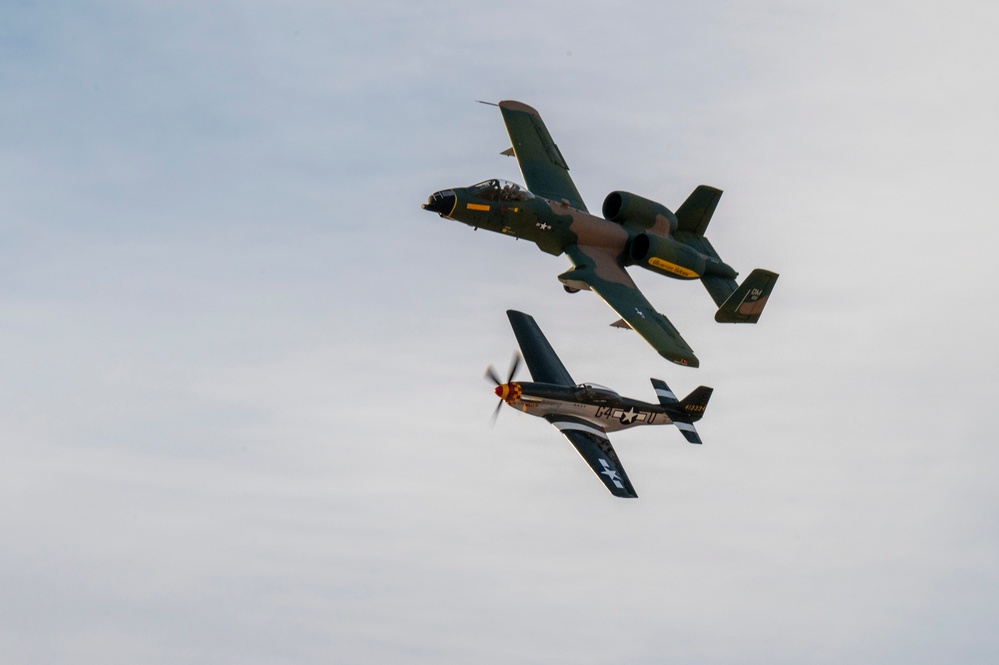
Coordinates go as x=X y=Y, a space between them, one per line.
x=666 y=256
x=627 y=208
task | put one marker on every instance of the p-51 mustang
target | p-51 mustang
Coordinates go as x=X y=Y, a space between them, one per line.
x=634 y=231
x=585 y=412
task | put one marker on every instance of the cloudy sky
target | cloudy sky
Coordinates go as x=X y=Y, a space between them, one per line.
x=242 y=413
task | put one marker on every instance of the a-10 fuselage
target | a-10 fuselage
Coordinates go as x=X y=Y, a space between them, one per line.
x=504 y=207
x=644 y=239
x=588 y=401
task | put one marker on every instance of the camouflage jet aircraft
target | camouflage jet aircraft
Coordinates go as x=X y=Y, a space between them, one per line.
x=633 y=231
x=585 y=412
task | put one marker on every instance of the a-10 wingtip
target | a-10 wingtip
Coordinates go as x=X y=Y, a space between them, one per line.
x=512 y=105
x=671 y=346
x=684 y=360
x=747 y=302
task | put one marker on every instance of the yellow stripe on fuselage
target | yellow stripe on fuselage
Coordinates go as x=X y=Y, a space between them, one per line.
x=477 y=206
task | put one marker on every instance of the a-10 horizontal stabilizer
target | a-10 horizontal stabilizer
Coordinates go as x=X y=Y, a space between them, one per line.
x=747 y=302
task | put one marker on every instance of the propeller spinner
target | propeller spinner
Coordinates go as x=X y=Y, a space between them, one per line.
x=503 y=387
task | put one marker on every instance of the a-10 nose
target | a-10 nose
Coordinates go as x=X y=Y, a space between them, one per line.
x=441 y=202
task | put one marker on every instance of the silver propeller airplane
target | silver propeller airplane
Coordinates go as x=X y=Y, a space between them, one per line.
x=586 y=412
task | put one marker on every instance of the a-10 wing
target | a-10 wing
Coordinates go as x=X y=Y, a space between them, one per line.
x=547 y=175
x=545 y=171
x=608 y=279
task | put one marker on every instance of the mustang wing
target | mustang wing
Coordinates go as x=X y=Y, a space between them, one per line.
x=541 y=358
x=541 y=162
x=600 y=270
x=592 y=444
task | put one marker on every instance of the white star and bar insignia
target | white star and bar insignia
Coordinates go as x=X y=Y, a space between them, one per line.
x=611 y=473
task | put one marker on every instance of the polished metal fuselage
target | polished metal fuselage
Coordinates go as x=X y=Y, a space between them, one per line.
x=602 y=407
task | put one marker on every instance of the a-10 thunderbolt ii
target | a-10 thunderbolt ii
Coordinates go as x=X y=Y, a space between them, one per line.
x=633 y=231
x=585 y=412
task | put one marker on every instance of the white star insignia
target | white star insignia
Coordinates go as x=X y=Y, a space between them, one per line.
x=629 y=416
x=611 y=473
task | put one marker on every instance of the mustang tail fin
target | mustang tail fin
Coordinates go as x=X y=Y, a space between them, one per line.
x=745 y=303
x=686 y=412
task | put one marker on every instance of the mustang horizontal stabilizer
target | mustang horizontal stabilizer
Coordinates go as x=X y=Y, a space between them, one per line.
x=592 y=444
x=747 y=302
x=684 y=413
x=663 y=392
x=601 y=272
x=688 y=431
x=540 y=160
x=539 y=355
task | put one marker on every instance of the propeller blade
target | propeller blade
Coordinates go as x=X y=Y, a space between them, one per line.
x=491 y=374
x=514 y=366
x=499 y=406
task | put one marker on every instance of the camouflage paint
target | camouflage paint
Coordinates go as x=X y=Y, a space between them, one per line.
x=552 y=214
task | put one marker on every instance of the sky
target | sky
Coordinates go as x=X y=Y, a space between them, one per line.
x=242 y=412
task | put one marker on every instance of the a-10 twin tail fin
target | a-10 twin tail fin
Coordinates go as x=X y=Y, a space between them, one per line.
x=686 y=411
x=736 y=303
x=746 y=303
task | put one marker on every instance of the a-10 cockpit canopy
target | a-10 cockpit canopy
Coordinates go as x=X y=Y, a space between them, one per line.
x=596 y=392
x=500 y=190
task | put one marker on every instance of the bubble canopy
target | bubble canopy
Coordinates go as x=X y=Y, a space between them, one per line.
x=596 y=391
x=500 y=190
